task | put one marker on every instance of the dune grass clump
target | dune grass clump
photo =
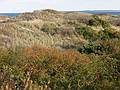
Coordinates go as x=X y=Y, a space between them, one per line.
x=49 y=28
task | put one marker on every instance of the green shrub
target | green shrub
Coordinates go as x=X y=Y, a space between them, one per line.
x=49 y=28
x=93 y=22
x=87 y=32
x=108 y=34
x=96 y=21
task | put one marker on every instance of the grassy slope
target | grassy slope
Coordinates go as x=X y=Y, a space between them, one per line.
x=60 y=51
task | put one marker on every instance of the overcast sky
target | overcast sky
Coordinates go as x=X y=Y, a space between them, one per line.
x=30 y=5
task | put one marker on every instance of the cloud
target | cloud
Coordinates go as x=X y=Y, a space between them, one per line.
x=30 y=5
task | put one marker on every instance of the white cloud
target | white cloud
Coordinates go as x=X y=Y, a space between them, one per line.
x=30 y=5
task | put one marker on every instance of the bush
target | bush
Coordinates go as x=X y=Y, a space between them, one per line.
x=87 y=32
x=49 y=28
x=96 y=21
x=109 y=34
x=54 y=69
x=93 y=22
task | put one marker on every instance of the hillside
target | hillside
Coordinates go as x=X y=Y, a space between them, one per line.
x=26 y=29
x=56 y=50
x=48 y=28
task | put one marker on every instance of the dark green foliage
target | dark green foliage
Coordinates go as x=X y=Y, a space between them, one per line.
x=49 y=28
x=93 y=22
x=87 y=32
x=96 y=21
x=108 y=34
x=102 y=47
x=108 y=49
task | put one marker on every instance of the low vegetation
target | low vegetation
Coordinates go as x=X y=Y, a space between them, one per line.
x=36 y=67
x=49 y=28
x=51 y=50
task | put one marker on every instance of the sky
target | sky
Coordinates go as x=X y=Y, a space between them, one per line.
x=7 y=6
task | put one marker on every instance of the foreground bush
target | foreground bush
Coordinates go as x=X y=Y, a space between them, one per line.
x=52 y=69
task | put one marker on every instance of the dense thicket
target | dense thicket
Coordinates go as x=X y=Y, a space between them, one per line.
x=36 y=67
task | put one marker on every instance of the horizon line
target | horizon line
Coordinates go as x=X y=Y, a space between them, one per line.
x=65 y=10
